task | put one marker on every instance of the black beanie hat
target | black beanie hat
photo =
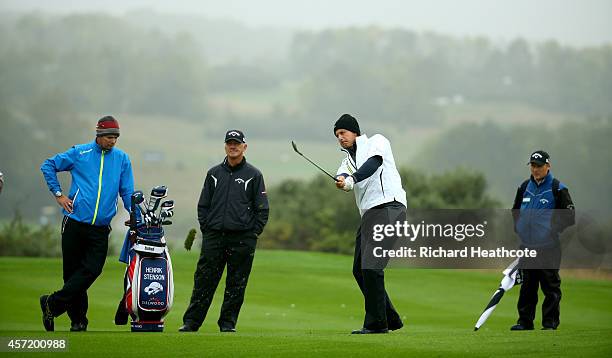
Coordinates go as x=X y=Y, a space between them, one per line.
x=348 y=122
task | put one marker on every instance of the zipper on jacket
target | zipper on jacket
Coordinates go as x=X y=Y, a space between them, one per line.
x=532 y=208
x=350 y=160
x=99 y=188
x=226 y=199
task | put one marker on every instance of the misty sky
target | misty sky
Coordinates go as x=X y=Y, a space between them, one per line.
x=574 y=22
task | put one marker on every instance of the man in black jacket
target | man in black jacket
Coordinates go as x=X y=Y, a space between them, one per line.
x=232 y=211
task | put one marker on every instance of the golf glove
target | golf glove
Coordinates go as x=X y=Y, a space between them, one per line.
x=349 y=182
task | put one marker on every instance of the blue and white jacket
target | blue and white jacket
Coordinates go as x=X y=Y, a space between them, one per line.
x=540 y=214
x=98 y=178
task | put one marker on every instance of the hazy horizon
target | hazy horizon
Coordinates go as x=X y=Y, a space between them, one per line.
x=570 y=22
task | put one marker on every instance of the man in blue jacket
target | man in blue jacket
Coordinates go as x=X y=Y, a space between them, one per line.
x=99 y=173
x=542 y=209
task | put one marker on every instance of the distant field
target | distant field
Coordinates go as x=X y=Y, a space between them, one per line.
x=305 y=304
x=184 y=149
x=503 y=113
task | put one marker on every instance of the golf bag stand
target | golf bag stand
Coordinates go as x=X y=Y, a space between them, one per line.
x=149 y=283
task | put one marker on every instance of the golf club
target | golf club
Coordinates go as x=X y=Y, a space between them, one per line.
x=166 y=210
x=143 y=209
x=311 y=162
x=167 y=205
x=137 y=199
x=157 y=194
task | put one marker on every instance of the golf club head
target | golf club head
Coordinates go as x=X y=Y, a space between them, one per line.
x=167 y=214
x=165 y=208
x=167 y=205
x=138 y=197
x=157 y=194
x=166 y=222
x=160 y=191
x=295 y=148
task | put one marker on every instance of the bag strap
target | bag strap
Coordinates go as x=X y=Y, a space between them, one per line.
x=555 y=189
x=524 y=187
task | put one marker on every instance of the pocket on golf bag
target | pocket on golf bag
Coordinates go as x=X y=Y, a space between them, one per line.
x=150 y=286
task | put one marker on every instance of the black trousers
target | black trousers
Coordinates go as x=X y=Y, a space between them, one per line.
x=541 y=271
x=550 y=282
x=379 y=311
x=236 y=250
x=84 y=249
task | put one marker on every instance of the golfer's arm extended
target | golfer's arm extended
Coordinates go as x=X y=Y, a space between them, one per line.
x=367 y=169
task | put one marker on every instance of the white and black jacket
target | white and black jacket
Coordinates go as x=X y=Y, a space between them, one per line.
x=233 y=199
x=385 y=185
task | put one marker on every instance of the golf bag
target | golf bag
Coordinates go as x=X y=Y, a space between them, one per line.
x=149 y=286
x=149 y=283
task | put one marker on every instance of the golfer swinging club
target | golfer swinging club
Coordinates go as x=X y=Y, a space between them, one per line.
x=369 y=169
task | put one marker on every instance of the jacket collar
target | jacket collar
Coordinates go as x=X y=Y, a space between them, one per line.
x=97 y=147
x=547 y=179
x=226 y=165
x=361 y=140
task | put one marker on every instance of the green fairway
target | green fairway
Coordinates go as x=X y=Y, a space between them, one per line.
x=305 y=304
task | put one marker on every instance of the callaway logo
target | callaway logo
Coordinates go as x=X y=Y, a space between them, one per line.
x=234 y=134
x=543 y=201
x=536 y=155
x=242 y=181
x=153 y=288
x=85 y=151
